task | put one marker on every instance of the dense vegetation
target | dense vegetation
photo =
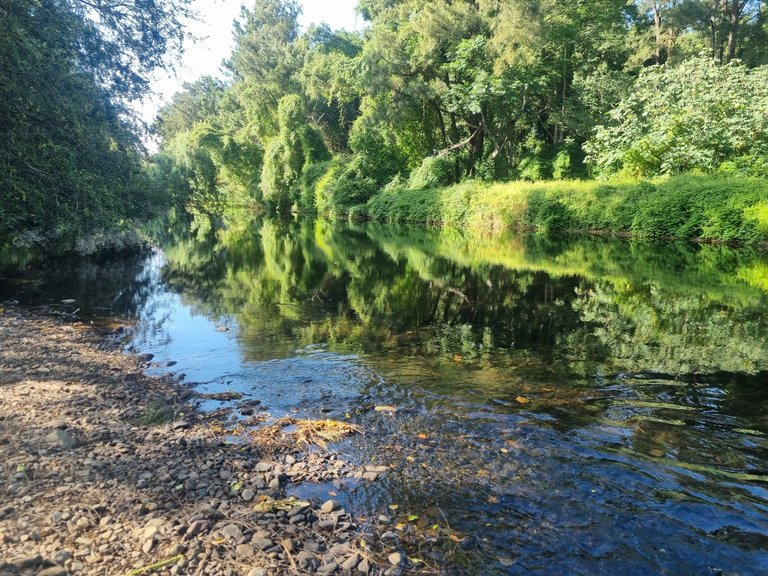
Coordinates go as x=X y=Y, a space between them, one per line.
x=435 y=93
x=430 y=94
x=70 y=156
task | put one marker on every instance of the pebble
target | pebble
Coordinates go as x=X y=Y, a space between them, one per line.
x=351 y=563
x=263 y=467
x=258 y=572
x=53 y=571
x=329 y=568
x=61 y=439
x=395 y=558
x=329 y=507
x=232 y=532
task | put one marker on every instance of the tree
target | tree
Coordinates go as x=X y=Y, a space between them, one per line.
x=691 y=117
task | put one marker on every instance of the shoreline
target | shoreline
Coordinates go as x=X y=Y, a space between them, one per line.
x=108 y=471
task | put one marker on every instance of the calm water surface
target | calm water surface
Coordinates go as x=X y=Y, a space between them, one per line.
x=570 y=406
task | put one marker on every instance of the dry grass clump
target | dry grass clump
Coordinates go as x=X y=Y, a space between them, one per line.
x=287 y=432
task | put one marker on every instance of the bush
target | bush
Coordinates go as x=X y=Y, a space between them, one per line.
x=434 y=171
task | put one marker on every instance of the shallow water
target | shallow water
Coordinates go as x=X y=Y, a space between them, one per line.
x=569 y=406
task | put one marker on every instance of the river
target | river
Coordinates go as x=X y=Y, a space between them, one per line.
x=562 y=405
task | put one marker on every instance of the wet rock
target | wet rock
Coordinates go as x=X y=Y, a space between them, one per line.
x=329 y=507
x=144 y=357
x=61 y=439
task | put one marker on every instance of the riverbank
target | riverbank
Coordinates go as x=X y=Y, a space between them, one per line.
x=722 y=208
x=108 y=471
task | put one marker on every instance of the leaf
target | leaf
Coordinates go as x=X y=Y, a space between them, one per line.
x=412 y=517
x=393 y=506
x=401 y=526
x=422 y=436
x=456 y=539
x=410 y=459
x=385 y=408
x=522 y=400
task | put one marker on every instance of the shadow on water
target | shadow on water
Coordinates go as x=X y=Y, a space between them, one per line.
x=570 y=406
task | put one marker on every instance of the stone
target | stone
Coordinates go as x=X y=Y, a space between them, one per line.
x=61 y=557
x=62 y=439
x=329 y=568
x=180 y=425
x=329 y=507
x=395 y=558
x=196 y=528
x=263 y=467
x=147 y=547
x=364 y=566
x=28 y=562
x=53 y=571
x=245 y=551
x=262 y=543
x=232 y=532
x=258 y=572
x=351 y=562
x=248 y=495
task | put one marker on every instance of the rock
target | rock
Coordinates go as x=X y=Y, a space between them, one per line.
x=53 y=571
x=263 y=467
x=232 y=532
x=329 y=507
x=245 y=551
x=351 y=563
x=262 y=543
x=180 y=425
x=61 y=557
x=248 y=495
x=144 y=357
x=395 y=558
x=147 y=546
x=196 y=528
x=364 y=567
x=28 y=562
x=61 y=439
x=246 y=411
x=258 y=572
x=329 y=568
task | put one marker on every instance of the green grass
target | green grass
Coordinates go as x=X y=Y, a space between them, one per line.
x=692 y=206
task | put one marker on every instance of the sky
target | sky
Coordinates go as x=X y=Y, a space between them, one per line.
x=215 y=32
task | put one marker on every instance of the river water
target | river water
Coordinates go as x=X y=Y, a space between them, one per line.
x=563 y=405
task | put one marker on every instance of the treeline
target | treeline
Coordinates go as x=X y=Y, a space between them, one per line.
x=71 y=159
x=435 y=92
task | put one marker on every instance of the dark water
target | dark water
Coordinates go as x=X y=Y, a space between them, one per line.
x=569 y=406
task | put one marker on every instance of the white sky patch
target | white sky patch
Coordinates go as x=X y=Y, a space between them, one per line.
x=214 y=31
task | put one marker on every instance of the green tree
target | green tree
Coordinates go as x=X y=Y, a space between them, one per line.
x=691 y=117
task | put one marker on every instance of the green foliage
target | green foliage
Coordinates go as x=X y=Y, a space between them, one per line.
x=691 y=117
x=434 y=171
x=725 y=208
x=344 y=185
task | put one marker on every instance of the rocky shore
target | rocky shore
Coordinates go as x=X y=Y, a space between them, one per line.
x=104 y=470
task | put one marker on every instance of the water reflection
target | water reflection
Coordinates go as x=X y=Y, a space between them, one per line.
x=575 y=406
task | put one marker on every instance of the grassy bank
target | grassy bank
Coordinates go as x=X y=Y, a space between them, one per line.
x=706 y=207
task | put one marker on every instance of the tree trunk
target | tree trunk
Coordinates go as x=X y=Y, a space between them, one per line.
x=733 y=28
x=657 y=31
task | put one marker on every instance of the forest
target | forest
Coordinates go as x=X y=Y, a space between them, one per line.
x=641 y=98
